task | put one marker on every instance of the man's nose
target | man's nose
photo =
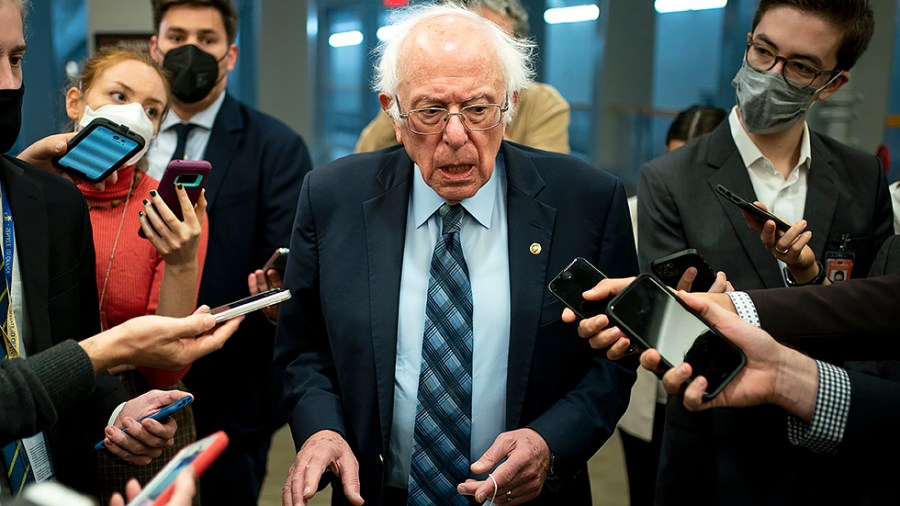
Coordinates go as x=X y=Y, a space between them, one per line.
x=455 y=132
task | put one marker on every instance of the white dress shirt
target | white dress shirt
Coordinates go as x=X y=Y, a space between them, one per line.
x=163 y=146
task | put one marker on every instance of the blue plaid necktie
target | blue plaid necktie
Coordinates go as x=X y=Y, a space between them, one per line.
x=440 y=454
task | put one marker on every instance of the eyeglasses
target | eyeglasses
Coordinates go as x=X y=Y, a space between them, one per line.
x=796 y=73
x=433 y=120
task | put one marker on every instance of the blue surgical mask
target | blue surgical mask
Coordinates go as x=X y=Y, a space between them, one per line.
x=767 y=103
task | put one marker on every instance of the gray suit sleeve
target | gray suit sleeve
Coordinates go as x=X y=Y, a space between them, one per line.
x=660 y=230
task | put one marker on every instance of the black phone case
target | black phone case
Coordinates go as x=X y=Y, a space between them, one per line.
x=571 y=282
x=670 y=268
x=748 y=206
x=87 y=131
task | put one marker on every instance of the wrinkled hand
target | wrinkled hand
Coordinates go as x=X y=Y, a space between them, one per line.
x=41 y=154
x=595 y=329
x=182 y=495
x=177 y=241
x=324 y=449
x=523 y=473
x=791 y=247
x=141 y=442
x=757 y=383
x=259 y=281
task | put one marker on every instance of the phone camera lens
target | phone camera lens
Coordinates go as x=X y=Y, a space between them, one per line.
x=565 y=276
x=115 y=137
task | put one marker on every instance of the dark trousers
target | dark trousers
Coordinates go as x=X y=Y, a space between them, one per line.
x=236 y=477
x=642 y=460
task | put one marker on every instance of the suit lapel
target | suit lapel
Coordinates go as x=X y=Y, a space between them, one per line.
x=530 y=221
x=226 y=136
x=731 y=173
x=821 y=195
x=30 y=219
x=385 y=224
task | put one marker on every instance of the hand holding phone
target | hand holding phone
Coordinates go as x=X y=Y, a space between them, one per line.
x=161 y=414
x=652 y=315
x=98 y=150
x=249 y=304
x=670 y=268
x=758 y=213
x=197 y=455
x=191 y=175
x=569 y=285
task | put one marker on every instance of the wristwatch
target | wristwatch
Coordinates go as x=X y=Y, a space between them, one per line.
x=817 y=280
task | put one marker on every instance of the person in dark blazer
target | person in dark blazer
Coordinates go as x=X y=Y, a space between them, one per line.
x=258 y=164
x=837 y=199
x=351 y=337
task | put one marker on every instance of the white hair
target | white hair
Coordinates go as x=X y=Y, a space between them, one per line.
x=514 y=54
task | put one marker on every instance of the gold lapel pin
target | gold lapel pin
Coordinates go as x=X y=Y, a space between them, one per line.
x=535 y=248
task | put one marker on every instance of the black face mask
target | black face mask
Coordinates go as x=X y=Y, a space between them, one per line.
x=10 y=117
x=194 y=72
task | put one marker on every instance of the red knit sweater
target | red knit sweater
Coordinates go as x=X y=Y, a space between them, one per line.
x=136 y=270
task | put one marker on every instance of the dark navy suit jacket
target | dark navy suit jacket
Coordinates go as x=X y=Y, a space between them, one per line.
x=258 y=164
x=338 y=334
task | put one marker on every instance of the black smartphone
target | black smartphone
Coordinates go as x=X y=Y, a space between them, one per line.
x=649 y=313
x=571 y=282
x=277 y=261
x=670 y=268
x=761 y=215
x=99 y=149
x=162 y=413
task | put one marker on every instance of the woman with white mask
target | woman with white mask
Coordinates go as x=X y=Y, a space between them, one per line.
x=137 y=276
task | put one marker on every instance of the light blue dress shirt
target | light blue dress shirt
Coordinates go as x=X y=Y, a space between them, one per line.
x=163 y=146
x=485 y=246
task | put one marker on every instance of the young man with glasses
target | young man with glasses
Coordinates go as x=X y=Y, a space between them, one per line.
x=421 y=343
x=798 y=52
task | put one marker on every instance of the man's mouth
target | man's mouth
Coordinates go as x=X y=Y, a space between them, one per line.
x=457 y=170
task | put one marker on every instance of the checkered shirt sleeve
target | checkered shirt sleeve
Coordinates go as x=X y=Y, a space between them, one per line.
x=745 y=308
x=826 y=429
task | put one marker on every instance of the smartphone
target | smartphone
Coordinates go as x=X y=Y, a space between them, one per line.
x=191 y=174
x=761 y=215
x=99 y=149
x=277 y=261
x=670 y=268
x=161 y=414
x=197 y=455
x=251 y=303
x=571 y=282
x=649 y=313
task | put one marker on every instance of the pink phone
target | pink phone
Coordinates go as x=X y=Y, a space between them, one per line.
x=191 y=174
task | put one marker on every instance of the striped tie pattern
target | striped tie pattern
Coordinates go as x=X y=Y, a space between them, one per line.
x=440 y=454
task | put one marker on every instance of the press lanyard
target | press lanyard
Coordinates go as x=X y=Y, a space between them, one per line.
x=11 y=336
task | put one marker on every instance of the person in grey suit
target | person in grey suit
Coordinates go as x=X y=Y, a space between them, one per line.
x=798 y=53
x=355 y=335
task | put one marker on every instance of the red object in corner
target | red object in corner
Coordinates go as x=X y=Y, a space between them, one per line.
x=395 y=3
x=884 y=154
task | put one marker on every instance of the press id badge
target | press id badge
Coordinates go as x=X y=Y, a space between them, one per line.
x=839 y=264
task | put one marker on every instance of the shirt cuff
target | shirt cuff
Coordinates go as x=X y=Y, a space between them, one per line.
x=826 y=429
x=745 y=307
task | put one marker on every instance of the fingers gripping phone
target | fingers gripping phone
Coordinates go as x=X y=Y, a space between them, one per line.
x=190 y=174
x=251 y=303
x=651 y=314
x=571 y=282
x=162 y=414
x=760 y=214
x=99 y=149
x=670 y=268
x=197 y=455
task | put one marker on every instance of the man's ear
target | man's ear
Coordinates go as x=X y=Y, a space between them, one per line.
x=386 y=102
x=154 y=48
x=839 y=81
x=231 y=58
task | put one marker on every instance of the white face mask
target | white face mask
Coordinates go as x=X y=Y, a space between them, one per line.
x=131 y=115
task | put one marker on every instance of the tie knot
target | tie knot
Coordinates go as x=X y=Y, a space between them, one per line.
x=452 y=217
x=182 y=129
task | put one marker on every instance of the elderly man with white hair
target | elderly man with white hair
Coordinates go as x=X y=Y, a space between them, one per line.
x=426 y=360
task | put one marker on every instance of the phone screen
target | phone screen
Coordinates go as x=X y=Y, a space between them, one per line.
x=101 y=149
x=647 y=311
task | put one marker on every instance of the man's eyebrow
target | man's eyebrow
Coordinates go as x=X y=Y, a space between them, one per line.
x=810 y=57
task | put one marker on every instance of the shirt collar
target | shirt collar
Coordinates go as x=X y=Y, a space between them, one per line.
x=751 y=154
x=204 y=118
x=426 y=201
